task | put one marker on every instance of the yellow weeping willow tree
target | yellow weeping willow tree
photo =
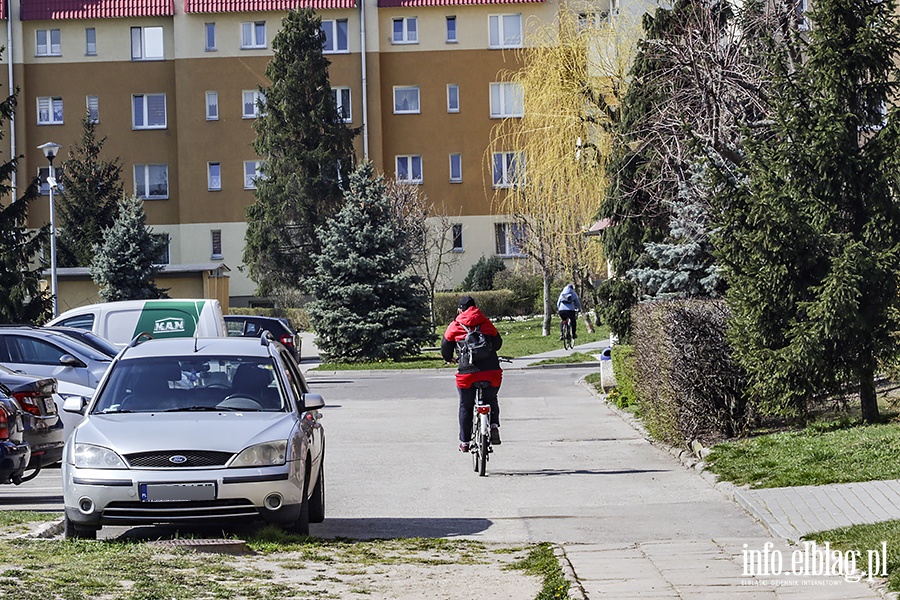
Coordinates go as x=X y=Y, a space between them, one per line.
x=548 y=166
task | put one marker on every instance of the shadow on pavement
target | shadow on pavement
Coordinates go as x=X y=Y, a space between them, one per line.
x=554 y=472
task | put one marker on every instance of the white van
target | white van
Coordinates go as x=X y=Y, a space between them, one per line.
x=120 y=322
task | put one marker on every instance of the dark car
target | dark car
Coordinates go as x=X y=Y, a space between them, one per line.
x=88 y=338
x=253 y=326
x=14 y=452
x=44 y=431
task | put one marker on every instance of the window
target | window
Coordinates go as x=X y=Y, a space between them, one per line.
x=455 y=168
x=335 y=36
x=409 y=169
x=342 y=102
x=509 y=239
x=452 y=98
x=148 y=111
x=147 y=43
x=253 y=99
x=50 y=110
x=507 y=100
x=252 y=173
x=48 y=43
x=209 y=30
x=163 y=240
x=253 y=34
x=90 y=41
x=451 y=30
x=216 y=235
x=213 y=176
x=212 y=106
x=151 y=181
x=505 y=31
x=406 y=99
x=800 y=8
x=456 y=232
x=93 y=108
x=508 y=168
x=43 y=174
x=405 y=31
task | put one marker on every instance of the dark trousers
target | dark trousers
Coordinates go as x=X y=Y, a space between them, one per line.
x=467 y=406
x=570 y=315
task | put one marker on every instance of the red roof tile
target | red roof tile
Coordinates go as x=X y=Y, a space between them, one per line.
x=415 y=3
x=42 y=10
x=231 y=6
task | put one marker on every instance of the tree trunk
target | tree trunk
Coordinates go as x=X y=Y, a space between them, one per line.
x=548 y=307
x=868 y=400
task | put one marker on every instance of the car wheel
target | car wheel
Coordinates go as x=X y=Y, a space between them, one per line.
x=301 y=525
x=73 y=532
x=317 y=500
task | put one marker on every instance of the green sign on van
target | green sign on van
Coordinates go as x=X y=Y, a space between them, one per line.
x=169 y=319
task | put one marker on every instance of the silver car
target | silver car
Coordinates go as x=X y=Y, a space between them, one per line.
x=48 y=353
x=196 y=431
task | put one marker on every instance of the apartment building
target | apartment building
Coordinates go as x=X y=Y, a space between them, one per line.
x=174 y=85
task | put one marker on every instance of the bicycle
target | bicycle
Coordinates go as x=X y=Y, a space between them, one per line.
x=566 y=334
x=480 y=444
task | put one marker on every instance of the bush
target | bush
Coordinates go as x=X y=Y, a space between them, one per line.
x=615 y=297
x=623 y=369
x=494 y=304
x=686 y=383
x=297 y=316
x=527 y=291
x=480 y=277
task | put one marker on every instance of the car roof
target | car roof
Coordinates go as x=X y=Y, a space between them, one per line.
x=235 y=346
x=70 y=343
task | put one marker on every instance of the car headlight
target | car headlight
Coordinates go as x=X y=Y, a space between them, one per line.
x=262 y=455
x=88 y=456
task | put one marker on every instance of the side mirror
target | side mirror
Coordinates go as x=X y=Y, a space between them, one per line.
x=75 y=404
x=313 y=401
x=67 y=360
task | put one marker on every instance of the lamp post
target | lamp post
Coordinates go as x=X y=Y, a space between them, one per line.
x=50 y=150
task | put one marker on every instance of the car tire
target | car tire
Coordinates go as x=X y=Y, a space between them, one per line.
x=301 y=525
x=73 y=532
x=317 y=500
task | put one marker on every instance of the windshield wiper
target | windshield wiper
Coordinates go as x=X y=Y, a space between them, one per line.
x=108 y=411
x=208 y=408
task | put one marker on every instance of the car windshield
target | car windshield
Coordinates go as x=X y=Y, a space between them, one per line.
x=190 y=383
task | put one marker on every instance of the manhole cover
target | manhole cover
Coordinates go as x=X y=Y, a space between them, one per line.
x=217 y=546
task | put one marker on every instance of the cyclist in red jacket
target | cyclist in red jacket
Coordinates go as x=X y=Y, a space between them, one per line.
x=487 y=369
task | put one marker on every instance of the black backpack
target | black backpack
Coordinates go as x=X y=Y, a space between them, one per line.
x=473 y=348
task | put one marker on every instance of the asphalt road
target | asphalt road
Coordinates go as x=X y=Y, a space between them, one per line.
x=569 y=469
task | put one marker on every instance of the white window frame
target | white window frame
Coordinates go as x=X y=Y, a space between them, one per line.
x=90 y=46
x=92 y=105
x=343 y=103
x=499 y=37
x=144 y=41
x=146 y=112
x=452 y=32
x=507 y=99
x=43 y=174
x=214 y=176
x=505 y=238
x=455 y=165
x=209 y=37
x=48 y=47
x=147 y=172
x=456 y=233
x=212 y=106
x=452 y=97
x=250 y=180
x=508 y=163
x=48 y=114
x=407 y=34
x=251 y=31
x=418 y=100
x=256 y=96
x=331 y=28
x=215 y=238
x=411 y=163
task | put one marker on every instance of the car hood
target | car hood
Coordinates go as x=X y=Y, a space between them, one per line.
x=127 y=433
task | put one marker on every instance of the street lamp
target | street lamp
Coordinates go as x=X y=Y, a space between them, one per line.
x=50 y=150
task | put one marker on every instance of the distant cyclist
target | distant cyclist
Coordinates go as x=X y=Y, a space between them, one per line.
x=568 y=306
x=468 y=317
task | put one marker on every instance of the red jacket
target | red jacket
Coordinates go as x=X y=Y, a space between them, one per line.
x=490 y=369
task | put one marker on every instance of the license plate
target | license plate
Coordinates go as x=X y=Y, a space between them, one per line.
x=177 y=492
x=49 y=406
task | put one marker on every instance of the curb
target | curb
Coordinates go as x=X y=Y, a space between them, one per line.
x=576 y=590
x=46 y=530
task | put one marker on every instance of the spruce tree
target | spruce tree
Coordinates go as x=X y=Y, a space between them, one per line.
x=307 y=152
x=368 y=305
x=810 y=243
x=123 y=265
x=88 y=200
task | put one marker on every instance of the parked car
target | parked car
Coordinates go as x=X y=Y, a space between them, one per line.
x=253 y=326
x=88 y=338
x=64 y=391
x=14 y=452
x=44 y=432
x=46 y=353
x=121 y=322
x=196 y=431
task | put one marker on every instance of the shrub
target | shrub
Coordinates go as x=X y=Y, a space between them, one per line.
x=494 y=304
x=527 y=291
x=480 y=277
x=615 y=297
x=623 y=368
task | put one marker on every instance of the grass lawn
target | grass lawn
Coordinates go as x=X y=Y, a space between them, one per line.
x=863 y=539
x=520 y=338
x=838 y=451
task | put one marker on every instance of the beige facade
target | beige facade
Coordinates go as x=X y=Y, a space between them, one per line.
x=188 y=139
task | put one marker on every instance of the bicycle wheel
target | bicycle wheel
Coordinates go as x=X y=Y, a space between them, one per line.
x=484 y=435
x=473 y=445
x=568 y=344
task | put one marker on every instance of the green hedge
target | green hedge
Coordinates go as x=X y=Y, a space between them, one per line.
x=623 y=368
x=297 y=316
x=494 y=304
